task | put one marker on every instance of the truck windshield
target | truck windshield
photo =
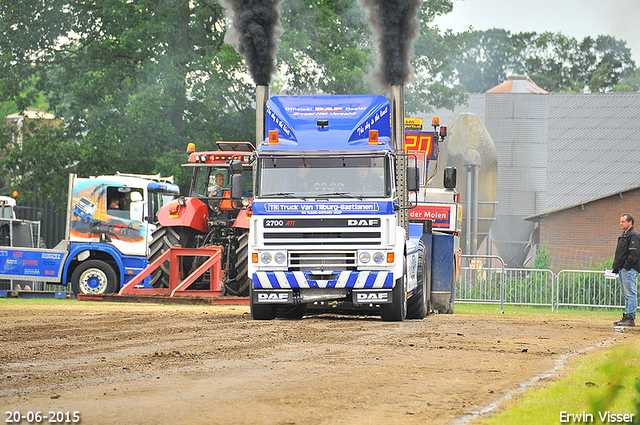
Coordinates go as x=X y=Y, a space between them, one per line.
x=157 y=200
x=349 y=176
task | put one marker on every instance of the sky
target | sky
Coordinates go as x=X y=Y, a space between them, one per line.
x=574 y=18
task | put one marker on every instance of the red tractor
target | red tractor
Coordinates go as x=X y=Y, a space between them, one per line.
x=214 y=214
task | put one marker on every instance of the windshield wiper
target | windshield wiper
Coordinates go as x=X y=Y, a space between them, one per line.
x=286 y=194
x=341 y=194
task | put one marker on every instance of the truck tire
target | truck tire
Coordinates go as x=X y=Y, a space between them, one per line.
x=261 y=311
x=418 y=304
x=294 y=312
x=94 y=277
x=397 y=310
x=163 y=239
x=236 y=282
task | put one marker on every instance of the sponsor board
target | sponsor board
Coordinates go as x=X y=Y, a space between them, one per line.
x=322 y=208
x=442 y=216
x=22 y=262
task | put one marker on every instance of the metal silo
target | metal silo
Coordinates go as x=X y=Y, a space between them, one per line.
x=517 y=117
x=471 y=150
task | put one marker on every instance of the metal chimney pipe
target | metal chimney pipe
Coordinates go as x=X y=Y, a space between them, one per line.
x=262 y=95
x=397 y=117
x=397 y=130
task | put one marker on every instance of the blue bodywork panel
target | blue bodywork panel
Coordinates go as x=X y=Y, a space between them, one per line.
x=442 y=274
x=129 y=265
x=349 y=120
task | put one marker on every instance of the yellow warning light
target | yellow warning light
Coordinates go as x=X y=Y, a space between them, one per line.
x=373 y=137
x=273 y=137
x=435 y=122
x=191 y=147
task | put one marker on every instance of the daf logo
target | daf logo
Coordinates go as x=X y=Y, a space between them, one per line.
x=273 y=297
x=363 y=297
x=372 y=222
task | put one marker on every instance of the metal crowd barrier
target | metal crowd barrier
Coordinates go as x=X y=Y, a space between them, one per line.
x=484 y=279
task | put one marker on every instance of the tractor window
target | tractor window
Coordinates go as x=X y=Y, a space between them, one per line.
x=213 y=181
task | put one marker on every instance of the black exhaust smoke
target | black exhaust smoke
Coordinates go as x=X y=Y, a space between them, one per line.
x=255 y=27
x=395 y=26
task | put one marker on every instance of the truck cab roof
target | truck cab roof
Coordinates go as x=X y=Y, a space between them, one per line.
x=327 y=123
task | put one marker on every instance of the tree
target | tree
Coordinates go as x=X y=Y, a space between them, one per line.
x=136 y=81
x=629 y=84
x=554 y=61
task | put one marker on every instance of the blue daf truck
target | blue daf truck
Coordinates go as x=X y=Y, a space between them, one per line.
x=331 y=227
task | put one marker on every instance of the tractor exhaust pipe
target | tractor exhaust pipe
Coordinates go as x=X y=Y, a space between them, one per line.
x=262 y=95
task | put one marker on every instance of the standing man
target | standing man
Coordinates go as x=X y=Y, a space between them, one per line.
x=627 y=264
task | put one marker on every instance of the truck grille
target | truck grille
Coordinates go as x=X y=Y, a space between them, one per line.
x=322 y=238
x=322 y=232
x=323 y=261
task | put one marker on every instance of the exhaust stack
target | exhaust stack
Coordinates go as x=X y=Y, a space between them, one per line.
x=397 y=116
x=262 y=95
x=397 y=128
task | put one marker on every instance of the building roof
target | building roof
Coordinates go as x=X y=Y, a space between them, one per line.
x=593 y=145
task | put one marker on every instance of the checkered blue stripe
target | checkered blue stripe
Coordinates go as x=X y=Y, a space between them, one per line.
x=346 y=279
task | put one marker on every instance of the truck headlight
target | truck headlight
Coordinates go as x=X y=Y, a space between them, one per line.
x=364 y=257
x=280 y=258
x=378 y=258
x=266 y=257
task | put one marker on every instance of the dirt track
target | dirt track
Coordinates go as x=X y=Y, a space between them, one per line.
x=146 y=364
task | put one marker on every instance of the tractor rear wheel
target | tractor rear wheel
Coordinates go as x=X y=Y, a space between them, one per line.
x=236 y=282
x=163 y=239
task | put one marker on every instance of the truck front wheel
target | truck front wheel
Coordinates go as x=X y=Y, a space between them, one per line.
x=261 y=311
x=94 y=277
x=397 y=310
x=418 y=305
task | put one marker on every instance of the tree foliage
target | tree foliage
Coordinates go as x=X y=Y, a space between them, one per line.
x=556 y=62
x=135 y=81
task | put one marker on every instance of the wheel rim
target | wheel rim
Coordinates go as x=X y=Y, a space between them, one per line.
x=93 y=281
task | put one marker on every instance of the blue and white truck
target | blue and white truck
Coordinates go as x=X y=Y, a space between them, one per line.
x=330 y=226
x=108 y=228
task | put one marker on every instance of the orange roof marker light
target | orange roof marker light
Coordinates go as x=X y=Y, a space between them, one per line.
x=373 y=137
x=273 y=137
x=435 y=122
x=191 y=147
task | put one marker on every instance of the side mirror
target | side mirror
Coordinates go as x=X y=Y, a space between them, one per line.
x=236 y=186
x=137 y=207
x=413 y=179
x=235 y=167
x=450 y=177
